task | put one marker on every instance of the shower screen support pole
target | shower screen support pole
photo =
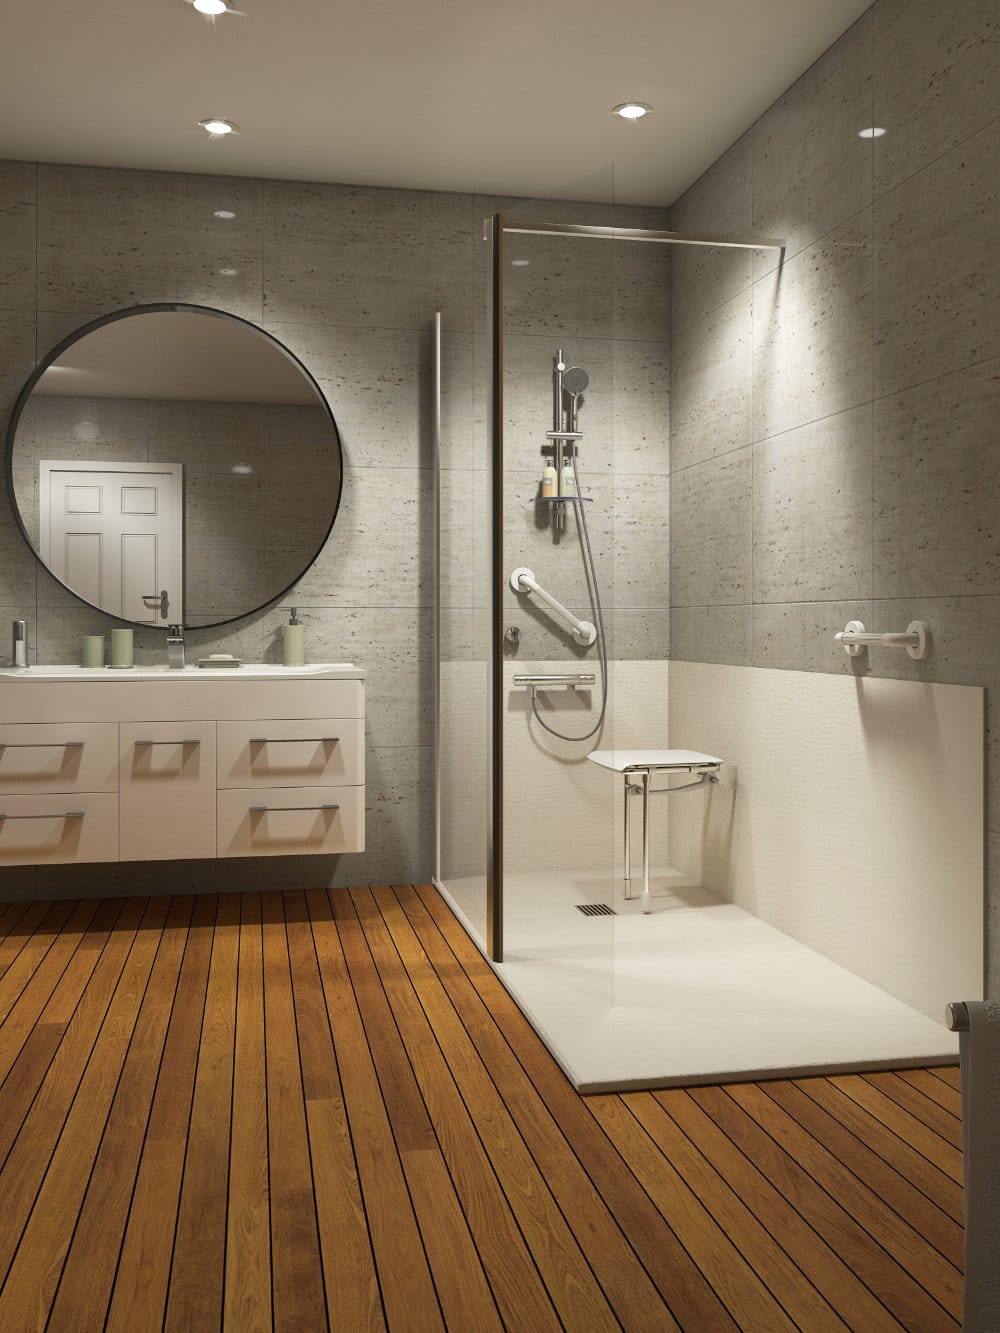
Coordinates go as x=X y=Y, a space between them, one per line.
x=494 y=767
x=436 y=434
x=650 y=237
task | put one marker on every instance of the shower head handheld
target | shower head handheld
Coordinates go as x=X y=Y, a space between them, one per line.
x=574 y=381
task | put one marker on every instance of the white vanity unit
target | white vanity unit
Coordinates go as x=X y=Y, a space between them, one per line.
x=151 y=765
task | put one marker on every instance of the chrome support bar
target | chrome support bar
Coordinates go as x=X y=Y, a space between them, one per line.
x=916 y=639
x=718 y=239
x=55 y=814
x=571 y=678
x=41 y=745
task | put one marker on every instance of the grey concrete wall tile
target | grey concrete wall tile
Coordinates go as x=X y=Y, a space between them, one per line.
x=640 y=636
x=18 y=566
x=17 y=235
x=527 y=400
x=710 y=634
x=377 y=383
x=812 y=511
x=642 y=542
x=710 y=384
x=372 y=257
x=937 y=487
x=94 y=429
x=798 y=636
x=937 y=80
x=393 y=644
x=965 y=631
x=112 y=238
x=937 y=267
x=702 y=278
x=206 y=437
x=17 y=348
x=381 y=547
x=811 y=172
x=710 y=532
x=812 y=332
x=641 y=384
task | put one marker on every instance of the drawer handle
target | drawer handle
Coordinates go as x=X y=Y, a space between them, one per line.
x=41 y=745
x=294 y=740
x=178 y=742
x=276 y=809
x=65 y=814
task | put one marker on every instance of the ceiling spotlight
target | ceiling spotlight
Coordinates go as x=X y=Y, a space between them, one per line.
x=217 y=127
x=632 y=110
x=520 y=263
x=873 y=132
x=210 y=7
x=224 y=214
x=229 y=272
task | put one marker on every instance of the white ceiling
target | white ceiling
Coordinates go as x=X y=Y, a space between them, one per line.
x=442 y=94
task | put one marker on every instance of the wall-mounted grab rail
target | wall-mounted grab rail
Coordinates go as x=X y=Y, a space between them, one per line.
x=523 y=580
x=916 y=639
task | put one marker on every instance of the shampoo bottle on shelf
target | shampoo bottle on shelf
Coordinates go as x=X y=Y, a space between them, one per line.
x=550 y=482
x=567 y=482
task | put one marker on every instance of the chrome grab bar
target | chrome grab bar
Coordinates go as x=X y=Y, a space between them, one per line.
x=571 y=678
x=523 y=580
x=55 y=814
x=916 y=639
x=957 y=1016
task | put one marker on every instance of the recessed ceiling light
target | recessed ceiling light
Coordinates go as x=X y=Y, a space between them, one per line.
x=520 y=263
x=226 y=214
x=229 y=272
x=215 y=126
x=242 y=469
x=631 y=110
x=211 y=7
x=872 y=132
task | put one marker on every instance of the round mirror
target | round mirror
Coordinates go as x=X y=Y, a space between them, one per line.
x=172 y=464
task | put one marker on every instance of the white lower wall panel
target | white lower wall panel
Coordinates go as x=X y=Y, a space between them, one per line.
x=857 y=823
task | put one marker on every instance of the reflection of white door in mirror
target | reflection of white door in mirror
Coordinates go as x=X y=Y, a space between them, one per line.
x=114 y=533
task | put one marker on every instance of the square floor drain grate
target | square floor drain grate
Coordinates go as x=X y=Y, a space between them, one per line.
x=595 y=909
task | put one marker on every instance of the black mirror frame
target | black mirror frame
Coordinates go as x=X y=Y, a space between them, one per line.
x=157 y=308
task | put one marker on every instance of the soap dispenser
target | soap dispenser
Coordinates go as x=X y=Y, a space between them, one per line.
x=294 y=641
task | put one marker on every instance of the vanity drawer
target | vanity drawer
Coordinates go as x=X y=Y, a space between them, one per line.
x=287 y=821
x=328 y=752
x=61 y=757
x=167 y=790
x=51 y=830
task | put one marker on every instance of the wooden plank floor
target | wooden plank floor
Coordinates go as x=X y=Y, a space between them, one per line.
x=310 y=1110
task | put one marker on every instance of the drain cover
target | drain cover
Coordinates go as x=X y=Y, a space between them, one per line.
x=595 y=909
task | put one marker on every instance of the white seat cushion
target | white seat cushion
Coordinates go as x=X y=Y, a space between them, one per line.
x=624 y=761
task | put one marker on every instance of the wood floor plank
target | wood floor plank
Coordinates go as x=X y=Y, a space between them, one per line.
x=353 y=1299
x=29 y=1145
x=10 y=915
x=893 y=1188
x=948 y=1098
x=297 y=1275
x=504 y=1039
x=911 y=1130
x=34 y=1274
x=31 y=955
x=32 y=922
x=822 y=1266
x=407 y=1288
x=197 y=1272
x=84 y=1291
x=429 y=1032
x=932 y=1281
x=745 y=1296
x=804 y=1305
x=247 y=1301
x=944 y=1192
x=465 y=1298
x=950 y=1074
x=919 y=1105
x=29 y=1004
x=140 y=1293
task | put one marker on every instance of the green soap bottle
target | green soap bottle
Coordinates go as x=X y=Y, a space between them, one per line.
x=294 y=641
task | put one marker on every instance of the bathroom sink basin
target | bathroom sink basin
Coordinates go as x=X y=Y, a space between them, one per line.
x=251 y=671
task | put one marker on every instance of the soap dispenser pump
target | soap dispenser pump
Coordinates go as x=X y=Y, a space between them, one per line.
x=294 y=641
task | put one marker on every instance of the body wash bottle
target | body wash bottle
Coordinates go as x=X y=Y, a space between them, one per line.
x=567 y=482
x=550 y=482
x=294 y=641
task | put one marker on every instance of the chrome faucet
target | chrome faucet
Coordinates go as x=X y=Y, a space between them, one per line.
x=175 y=647
x=20 y=651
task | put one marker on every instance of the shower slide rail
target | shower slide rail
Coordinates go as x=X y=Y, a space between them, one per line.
x=916 y=639
x=523 y=581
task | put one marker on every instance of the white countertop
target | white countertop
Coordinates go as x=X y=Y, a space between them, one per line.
x=249 y=671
